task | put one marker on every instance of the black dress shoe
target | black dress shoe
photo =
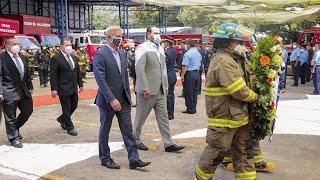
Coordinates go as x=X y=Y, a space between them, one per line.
x=187 y=112
x=19 y=135
x=171 y=117
x=62 y=124
x=142 y=147
x=174 y=148
x=139 y=164
x=16 y=143
x=72 y=132
x=110 y=164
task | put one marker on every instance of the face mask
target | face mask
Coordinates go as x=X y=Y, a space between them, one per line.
x=207 y=48
x=58 y=48
x=15 y=49
x=132 y=50
x=157 y=39
x=44 y=48
x=185 y=47
x=81 y=49
x=116 y=42
x=240 y=49
x=68 y=49
x=294 y=46
x=50 y=49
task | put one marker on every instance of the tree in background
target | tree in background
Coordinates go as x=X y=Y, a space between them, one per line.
x=104 y=17
x=142 y=17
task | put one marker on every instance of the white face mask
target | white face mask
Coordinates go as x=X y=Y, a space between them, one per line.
x=294 y=46
x=240 y=49
x=68 y=49
x=157 y=39
x=15 y=49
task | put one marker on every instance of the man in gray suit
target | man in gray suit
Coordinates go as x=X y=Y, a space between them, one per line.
x=152 y=88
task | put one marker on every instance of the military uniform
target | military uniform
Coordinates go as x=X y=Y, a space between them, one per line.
x=227 y=98
x=83 y=61
x=32 y=64
x=43 y=59
x=207 y=58
x=52 y=53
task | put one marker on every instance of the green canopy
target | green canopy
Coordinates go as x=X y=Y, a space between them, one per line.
x=258 y=11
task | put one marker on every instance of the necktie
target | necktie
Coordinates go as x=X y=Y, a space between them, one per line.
x=70 y=61
x=19 y=65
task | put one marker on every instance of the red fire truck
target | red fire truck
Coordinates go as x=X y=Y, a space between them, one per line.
x=309 y=36
x=91 y=41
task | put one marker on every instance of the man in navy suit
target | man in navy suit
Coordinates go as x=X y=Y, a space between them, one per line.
x=113 y=98
x=171 y=58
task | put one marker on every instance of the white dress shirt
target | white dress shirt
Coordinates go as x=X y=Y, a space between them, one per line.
x=66 y=57
x=116 y=56
x=19 y=59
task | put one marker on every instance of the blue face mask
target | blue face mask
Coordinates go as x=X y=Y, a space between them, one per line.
x=157 y=39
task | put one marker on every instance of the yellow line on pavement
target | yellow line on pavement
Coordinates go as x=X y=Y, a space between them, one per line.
x=52 y=177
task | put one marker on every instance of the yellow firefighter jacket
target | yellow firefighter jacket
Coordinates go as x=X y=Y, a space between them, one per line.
x=227 y=93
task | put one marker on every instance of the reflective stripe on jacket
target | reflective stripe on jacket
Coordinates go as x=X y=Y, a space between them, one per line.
x=227 y=93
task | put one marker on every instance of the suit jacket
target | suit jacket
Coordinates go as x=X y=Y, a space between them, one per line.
x=11 y=86
x=112 y=83
x=150 y=70
x=62 y=78
x=171 y=57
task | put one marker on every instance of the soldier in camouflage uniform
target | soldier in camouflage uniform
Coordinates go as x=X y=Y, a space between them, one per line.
x=83 y=61
x=43 y=59
x=227 y=98
x=32 y=64
x=52 y=52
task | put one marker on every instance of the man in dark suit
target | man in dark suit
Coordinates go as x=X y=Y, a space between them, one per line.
x=113 y=98
x=171 y=58
x=15 y=90
x=65 y=79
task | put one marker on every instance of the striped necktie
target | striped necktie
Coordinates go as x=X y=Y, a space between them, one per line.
x=19 y=65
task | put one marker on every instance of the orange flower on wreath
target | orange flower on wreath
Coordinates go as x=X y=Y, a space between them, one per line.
x=265 y=60
x=278 y=39
x=270 y=80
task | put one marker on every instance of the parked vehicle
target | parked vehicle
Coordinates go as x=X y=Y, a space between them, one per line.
x=91 y=41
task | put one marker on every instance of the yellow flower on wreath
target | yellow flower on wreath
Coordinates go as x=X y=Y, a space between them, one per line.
x=277 y=60
x=272 y=74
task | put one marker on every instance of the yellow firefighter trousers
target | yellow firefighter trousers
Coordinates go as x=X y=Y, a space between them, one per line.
x=257 y=154
x=219 y=141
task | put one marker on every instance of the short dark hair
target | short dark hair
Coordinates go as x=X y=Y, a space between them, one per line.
x=149 y=29
x=63 y=40
x=5 y=42
x=191 y=42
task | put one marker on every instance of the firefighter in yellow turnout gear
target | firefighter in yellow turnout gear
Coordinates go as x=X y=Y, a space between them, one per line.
x=227 y=99
x=32 y=64
x=83 y=61
x=259 y=162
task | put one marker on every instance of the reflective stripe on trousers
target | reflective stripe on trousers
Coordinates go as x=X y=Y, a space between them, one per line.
x=246 y=176
x=201 y=175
